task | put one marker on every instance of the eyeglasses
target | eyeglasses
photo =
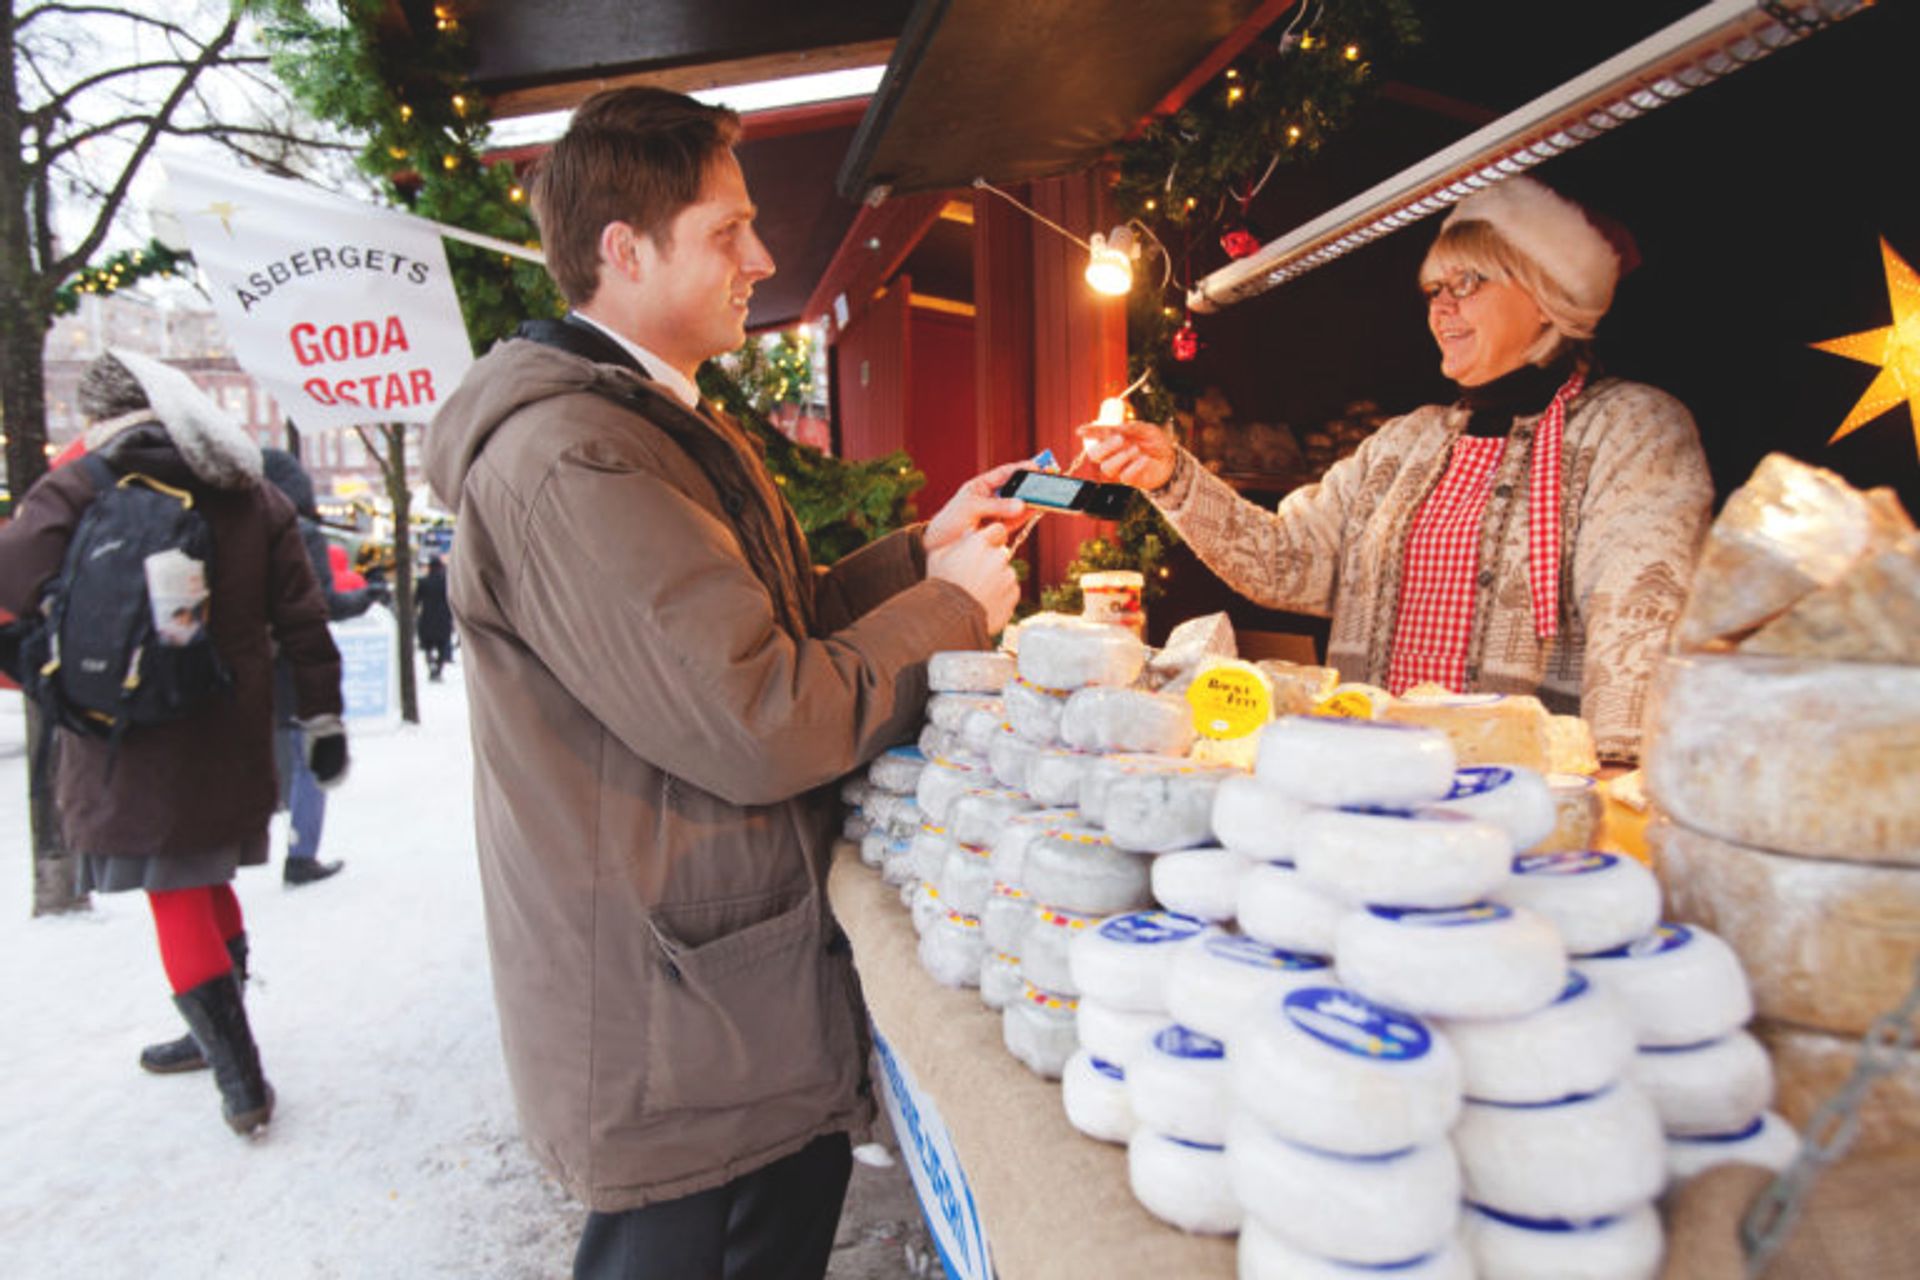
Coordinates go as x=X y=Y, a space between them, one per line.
x=1460 y=285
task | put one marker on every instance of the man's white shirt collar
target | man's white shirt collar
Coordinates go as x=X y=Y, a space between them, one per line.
x=659 y=370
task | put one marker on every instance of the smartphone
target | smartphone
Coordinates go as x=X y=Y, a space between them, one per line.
x=1068 y=493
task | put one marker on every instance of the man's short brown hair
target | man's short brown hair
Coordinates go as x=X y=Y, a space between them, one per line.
x=637 y=156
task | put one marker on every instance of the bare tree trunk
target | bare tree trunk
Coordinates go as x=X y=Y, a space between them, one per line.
x=402 y=499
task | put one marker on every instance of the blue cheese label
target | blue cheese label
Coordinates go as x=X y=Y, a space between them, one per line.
x=1177 y=1041
x=1477 y=780
x=1107 y=1069
x=1664 y=938
x=1738 y=1135
x=1577 y=986
x=912 y=755
x=1355 y=1025
x=1444 y=917
x=1151 y=928
x=1258 y=955
x=1552 y=1226
x=1563 y=864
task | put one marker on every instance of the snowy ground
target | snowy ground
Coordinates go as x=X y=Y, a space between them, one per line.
x=393 y=1150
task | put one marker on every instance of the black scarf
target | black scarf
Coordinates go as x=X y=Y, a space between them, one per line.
x=1519 y=393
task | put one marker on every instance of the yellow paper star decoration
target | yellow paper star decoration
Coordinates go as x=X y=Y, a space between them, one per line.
x=224 y=210
x=1896 y=349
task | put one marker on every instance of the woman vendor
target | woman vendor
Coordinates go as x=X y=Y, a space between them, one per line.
x=1536 y=536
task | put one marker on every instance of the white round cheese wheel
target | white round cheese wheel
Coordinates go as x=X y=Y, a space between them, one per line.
x=1402 y=858
x=943 y=781
x=1581 y=1043
x=1046 y=944
x=936 y=743
x=1182 y=1183
x=854 y=792
x=1797 y=756
x=1008 y=757
x=1068 y=654
x=1263 y=1255
x=897 y=770
x=923 y=902
x=1033 y=713
x=1006 y=917
x=1483 y=961
x=1054 y=775
x=1598 y=901
x=1678 y=984
x=1329 y=762
x=1371 y=1210
x=1283 y=909
x=1123 y=961
x=1577 y=810
x=1076 y=868
x=1215 y=985
x=1504 y=1246
x=978 y=815
x=1116 y=1035
x=874 y=847
x=1202 y=883
x=969 y=671
x=1107 y=719
x=1826 y=944
x=1094 y=1092
x=899 y=813
x=1588 y=1157
x=1037 y=1028
x=855 y=827
x=1254 y=819
x=1766 y=1140
x=1000 y=979
x=1158 y=812
x=979 y=730
x=1098 y=779
x=1716 y=1087
x=1177 y=1081
x=966 y=879
x=1809 y=1067
x=1516 y=800
x=1329 y=1069
x=951 y=950
x=949 y=711
x=931 y=845
x=1018 y=833
x=899 y=869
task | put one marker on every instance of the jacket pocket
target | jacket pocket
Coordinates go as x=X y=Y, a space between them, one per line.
x=749 y=1016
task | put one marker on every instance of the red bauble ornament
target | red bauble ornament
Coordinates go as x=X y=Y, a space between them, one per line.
x=1186 y=343
x=1240 y=243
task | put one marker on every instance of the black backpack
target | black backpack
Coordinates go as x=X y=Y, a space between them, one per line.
x=96 y=664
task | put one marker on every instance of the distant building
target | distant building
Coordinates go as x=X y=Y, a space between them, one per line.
x=192 y=341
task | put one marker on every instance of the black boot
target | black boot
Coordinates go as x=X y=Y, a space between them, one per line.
x=184 y=1054
x=299 y=871
x=219 y=1022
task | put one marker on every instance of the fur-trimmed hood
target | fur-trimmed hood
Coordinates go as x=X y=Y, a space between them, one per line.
x=208 y=440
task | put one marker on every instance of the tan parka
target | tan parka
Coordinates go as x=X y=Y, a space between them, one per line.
x=663 y=693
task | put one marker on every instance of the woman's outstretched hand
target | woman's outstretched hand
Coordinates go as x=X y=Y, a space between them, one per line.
x=1136 y=453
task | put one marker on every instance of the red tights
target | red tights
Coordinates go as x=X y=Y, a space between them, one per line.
x=194 y=925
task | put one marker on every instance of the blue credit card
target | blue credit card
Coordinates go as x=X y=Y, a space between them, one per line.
x=1045 y=461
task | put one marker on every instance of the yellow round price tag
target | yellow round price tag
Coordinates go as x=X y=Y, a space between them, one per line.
x=1230 y=700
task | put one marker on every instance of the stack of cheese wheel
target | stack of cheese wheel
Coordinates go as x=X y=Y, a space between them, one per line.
x=1788 y=821
x=1007 y=911
x=890 y=812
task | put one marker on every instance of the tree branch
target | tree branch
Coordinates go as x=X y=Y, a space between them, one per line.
x=110 y=207
x=99 y=10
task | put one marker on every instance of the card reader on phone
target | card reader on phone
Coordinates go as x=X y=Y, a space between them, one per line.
x=1069 y=493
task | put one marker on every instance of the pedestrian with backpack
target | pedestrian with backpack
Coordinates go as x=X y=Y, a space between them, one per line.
x=164 y=575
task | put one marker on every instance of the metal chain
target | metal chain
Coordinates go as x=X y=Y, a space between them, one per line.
x=1830 y=1131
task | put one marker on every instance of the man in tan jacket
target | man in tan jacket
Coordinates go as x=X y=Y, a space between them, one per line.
x=664 y=693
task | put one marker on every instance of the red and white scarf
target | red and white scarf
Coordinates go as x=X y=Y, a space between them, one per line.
x=1543 y=509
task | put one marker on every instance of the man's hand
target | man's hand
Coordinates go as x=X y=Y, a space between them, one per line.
x=975 y=505
x=1136 y=453
x=977 y=564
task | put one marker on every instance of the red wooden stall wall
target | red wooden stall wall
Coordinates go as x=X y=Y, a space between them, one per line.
x=941 y=434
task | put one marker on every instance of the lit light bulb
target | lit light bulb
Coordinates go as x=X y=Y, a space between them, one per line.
x=1110 y=262
x=1113 y=412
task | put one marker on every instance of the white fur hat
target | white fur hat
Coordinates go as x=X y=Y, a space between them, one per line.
x=1553 y=231
x=214 y=446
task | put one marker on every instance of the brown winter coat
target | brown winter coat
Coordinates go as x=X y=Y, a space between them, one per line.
x=663 y=694
x=206 y=781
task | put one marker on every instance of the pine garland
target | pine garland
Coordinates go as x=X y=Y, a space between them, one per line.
x=118 y=271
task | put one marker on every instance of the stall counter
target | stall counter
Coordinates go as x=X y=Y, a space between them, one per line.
x=1055 y=1203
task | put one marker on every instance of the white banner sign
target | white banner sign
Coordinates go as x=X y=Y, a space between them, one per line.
x=343 y=312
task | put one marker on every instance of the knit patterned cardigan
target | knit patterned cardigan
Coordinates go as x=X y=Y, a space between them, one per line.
x=1635 y=503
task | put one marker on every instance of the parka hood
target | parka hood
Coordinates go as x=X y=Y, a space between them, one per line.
x=207 y=439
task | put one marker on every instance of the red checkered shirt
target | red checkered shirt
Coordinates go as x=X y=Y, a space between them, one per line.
x=1435 y=621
